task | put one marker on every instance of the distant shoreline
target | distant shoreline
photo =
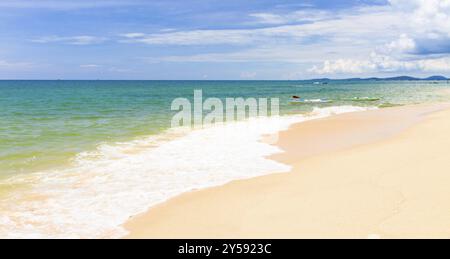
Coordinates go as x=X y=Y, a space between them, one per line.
x=398 y=78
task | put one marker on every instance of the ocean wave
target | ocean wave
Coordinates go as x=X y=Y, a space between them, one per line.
x=104 y=188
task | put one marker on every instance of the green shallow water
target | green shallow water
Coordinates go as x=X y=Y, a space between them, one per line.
x=45 y=124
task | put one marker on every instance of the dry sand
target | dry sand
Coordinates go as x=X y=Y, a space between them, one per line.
x=376 y=174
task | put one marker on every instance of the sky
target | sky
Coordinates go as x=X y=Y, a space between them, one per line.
x=217 y=39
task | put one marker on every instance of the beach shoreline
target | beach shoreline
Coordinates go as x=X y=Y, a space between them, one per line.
x=310 y=202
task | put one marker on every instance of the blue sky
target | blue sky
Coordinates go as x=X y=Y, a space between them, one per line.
x=216 y=39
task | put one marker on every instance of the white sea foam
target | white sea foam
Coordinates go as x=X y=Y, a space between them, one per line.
x=103 y=189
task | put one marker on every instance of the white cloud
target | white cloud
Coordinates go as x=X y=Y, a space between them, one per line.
x=381 y=63
x=429 y=23
x=404 y=44
x=72 y=40
x=133 y=35
x=426 y=15
x=268 y=18
x=308 y=15
x=407 y=35
x=362 y=24
x=197 y=37
x=423 y=45
x=65 y=4
x=269 y=54
x=90 y=66
x=5 y=65
x=435 y=65
x=350 y=33
x=343 y=66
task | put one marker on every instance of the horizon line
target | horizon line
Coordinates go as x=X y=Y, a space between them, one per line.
x=312 y=79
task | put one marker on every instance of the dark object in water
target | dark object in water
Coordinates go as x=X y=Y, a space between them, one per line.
x=311 y=101
x=295 y=97
x=364 y=99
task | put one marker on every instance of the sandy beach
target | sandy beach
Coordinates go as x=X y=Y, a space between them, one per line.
x=375 y=174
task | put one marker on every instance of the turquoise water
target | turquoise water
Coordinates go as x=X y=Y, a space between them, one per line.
x=46 y=123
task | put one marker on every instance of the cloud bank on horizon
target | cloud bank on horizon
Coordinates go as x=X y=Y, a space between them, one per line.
x=212 y=39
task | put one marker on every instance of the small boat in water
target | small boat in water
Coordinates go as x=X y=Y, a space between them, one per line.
x=320 y=83
x=310 y=101
x=365 y=99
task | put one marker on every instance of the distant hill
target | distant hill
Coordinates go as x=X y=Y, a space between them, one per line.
x=436 y=78
x=409 y=78
x=398 y=78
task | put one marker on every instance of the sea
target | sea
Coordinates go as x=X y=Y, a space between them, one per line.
x=78 y=159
